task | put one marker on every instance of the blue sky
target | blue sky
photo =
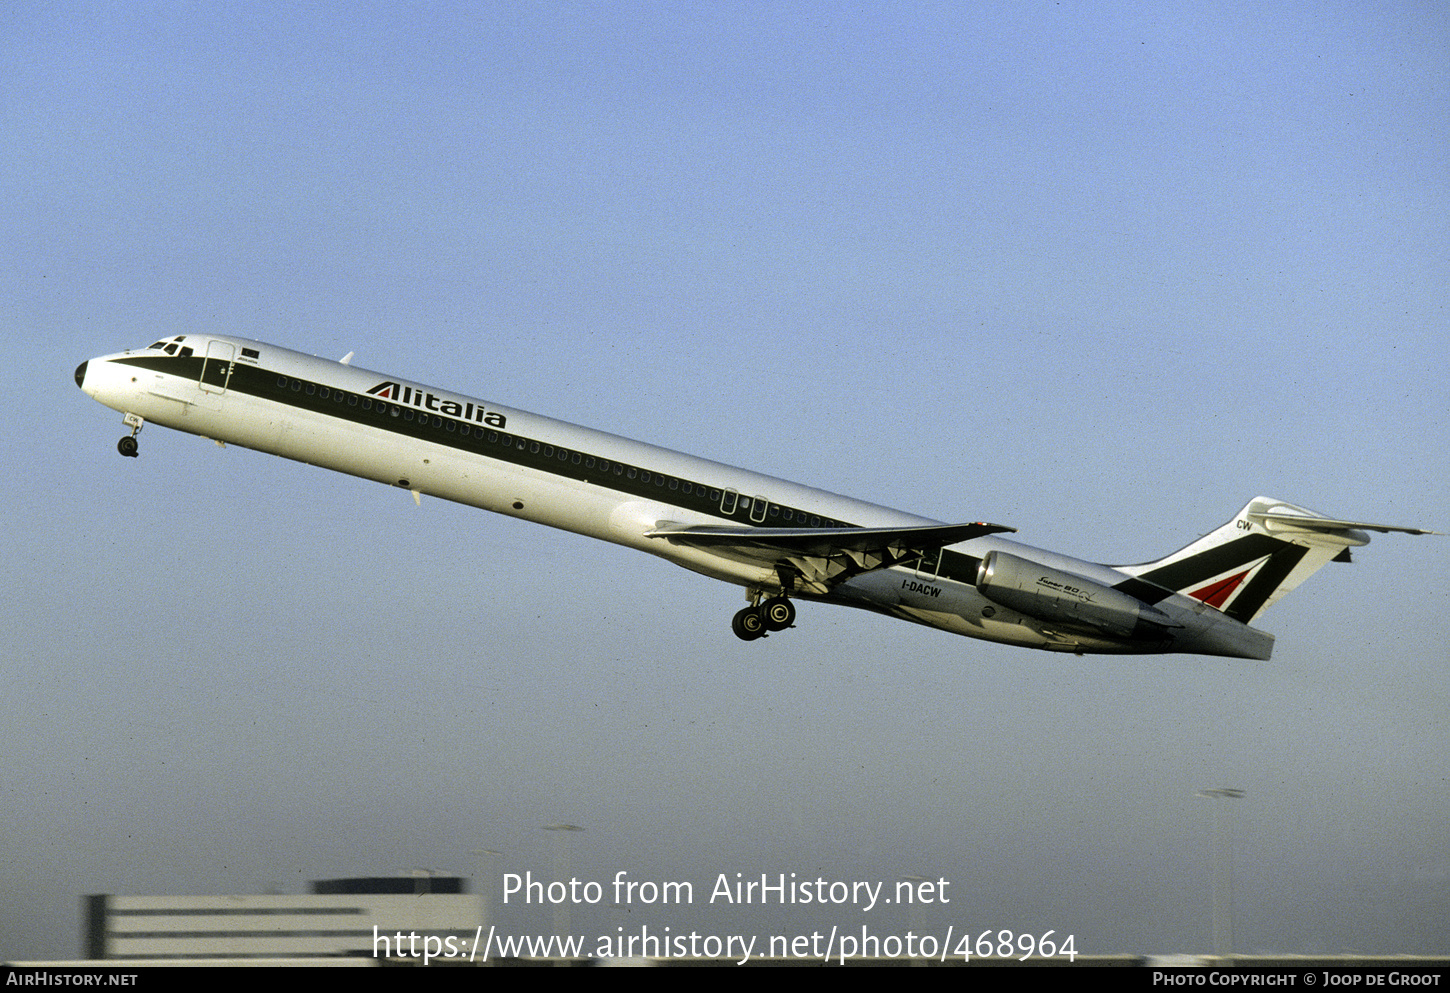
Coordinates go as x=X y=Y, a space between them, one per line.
x=1102 y=275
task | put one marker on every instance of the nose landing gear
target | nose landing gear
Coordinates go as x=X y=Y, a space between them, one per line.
x=128 y=446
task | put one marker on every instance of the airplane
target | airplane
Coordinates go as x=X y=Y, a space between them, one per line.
x=781 y=541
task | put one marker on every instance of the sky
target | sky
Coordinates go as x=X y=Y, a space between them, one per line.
x=1098 y=272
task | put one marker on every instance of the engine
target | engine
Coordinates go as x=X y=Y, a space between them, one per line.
x=1050 y=594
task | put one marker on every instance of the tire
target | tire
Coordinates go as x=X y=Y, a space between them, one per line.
x=778 y=613
x=748 y=624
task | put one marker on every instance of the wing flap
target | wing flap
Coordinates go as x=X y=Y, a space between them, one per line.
x=821 y=558
x=821 y=541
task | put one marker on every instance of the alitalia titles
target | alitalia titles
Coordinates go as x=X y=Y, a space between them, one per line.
x=423 y=400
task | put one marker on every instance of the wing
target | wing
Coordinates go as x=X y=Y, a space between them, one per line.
x=821 y=558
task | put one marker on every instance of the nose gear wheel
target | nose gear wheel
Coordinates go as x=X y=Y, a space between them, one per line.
x=128 y=446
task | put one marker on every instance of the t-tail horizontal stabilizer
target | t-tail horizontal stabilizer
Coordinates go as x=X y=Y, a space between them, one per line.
x=1282 y=521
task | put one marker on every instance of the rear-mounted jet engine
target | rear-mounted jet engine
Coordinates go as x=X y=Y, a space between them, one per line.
x=1050 y=594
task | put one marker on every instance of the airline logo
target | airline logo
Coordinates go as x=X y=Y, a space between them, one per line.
x=421 y=400
x=1216 y=593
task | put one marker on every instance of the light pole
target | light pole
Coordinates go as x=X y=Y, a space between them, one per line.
x=917 y=962
x=561 y=865
x=1223 y=874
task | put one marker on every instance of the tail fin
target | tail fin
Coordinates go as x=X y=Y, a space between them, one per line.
x=1268 y=548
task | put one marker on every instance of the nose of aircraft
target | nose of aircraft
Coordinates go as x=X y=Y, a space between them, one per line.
x=81 y=375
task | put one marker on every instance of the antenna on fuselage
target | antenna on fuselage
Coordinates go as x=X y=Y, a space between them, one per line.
x=346 y=359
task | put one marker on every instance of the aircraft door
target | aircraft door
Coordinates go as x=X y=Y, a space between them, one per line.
x=216 y=368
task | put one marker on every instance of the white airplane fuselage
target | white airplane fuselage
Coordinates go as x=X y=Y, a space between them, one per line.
x=476 y=452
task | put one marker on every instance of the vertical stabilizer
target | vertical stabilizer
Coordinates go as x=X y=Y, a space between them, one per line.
x=1266 y=550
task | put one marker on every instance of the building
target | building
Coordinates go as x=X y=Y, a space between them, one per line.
x=372 y=917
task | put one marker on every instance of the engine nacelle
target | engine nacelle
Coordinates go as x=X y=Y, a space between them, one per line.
x=1050 y=594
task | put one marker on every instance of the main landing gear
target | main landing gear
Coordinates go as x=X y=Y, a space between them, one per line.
x=128 y=446
x=755 y=621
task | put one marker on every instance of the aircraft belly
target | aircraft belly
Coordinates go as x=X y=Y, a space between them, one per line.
x=435 y=470
x=321 y=441
x=447 y=474
x=900 y=592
